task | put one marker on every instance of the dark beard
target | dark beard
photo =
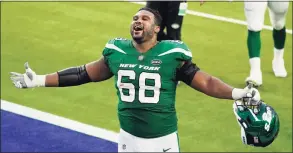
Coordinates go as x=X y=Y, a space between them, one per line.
x=144 y=37
x=138 y=40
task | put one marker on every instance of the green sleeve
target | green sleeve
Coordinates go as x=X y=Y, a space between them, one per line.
x=182 y=51
x=107 y=51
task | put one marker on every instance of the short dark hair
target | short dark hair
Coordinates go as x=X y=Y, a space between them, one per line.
x=158 y=17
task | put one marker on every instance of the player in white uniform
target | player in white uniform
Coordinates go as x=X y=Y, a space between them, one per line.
x=255 y=13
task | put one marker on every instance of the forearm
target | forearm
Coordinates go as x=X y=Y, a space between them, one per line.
x=68 y=77
x=95 y=71
x=216 y=88
x=201 y=81
x=219 y=89
x=52 y=80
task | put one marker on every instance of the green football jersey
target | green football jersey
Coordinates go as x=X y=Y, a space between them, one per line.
x=146 y=85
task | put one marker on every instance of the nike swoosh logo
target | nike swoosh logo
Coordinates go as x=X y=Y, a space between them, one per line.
x=165 y=150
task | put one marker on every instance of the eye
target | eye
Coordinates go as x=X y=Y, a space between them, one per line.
x=145 y=18
x=135 y=18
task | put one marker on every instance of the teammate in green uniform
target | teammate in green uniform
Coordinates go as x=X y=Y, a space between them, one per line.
x=146 y=73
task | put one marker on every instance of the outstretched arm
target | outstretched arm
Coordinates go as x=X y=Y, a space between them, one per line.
x=211 y=86
x=92 y=72
x=207 y=84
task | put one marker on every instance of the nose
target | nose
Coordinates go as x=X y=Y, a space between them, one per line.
x=137 y=22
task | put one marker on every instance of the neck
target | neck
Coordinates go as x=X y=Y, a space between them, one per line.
x=145 y=46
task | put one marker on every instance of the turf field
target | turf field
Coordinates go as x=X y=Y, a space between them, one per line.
x=55 y=35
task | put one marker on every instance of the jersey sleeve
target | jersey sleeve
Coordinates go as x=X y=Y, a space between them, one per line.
x=111 y=47
x=186 y=53
x=181 y=50
x=114 y=45
x=108 y=49
x=186 y=71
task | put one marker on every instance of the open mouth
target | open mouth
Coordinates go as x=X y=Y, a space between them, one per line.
x=137 y=28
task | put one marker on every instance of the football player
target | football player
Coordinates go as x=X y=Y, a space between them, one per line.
x=255 y=13
x=146 y=73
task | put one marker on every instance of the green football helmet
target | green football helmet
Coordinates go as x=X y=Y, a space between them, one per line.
x=259 y=122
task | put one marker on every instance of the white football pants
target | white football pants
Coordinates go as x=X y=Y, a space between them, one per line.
x=131 y=143
x=255 y=13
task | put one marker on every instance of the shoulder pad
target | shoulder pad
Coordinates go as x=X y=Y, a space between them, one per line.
x=115 y=40
x=176 y=44
x=120 y=38
x=178 y=47
x=116 y=44
x=119 y=41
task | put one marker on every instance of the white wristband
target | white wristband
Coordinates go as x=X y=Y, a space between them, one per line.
x=41 y=80
x=238 y=93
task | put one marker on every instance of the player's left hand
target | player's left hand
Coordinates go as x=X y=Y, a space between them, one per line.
x=253 y=95
x=248 y=93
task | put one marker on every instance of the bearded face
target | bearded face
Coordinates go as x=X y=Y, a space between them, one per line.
x=143 y=27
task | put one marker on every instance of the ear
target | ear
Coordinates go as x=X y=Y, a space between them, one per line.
x=157 y=29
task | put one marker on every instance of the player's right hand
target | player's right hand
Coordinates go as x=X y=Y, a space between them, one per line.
x=27 y=80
